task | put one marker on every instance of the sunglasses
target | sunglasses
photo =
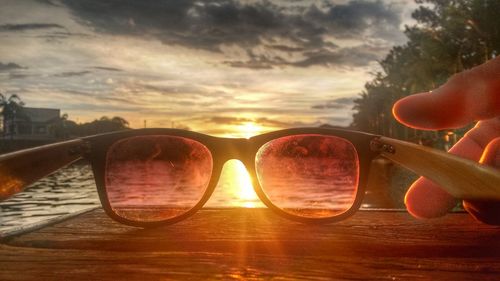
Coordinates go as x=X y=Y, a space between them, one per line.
x=152 y=177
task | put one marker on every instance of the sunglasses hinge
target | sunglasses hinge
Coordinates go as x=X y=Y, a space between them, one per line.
x=379 y=146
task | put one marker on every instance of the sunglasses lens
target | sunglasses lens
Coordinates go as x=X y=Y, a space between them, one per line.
x=154 y=178
x=312 y=176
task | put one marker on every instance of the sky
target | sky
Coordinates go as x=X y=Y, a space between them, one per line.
x=227 y=68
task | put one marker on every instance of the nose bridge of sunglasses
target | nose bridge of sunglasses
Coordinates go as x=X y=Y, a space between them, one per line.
x=237 y=148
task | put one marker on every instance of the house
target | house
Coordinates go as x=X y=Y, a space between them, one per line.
x=31 y=124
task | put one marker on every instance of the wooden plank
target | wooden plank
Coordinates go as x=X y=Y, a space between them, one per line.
x=234 y=244
x=18 y=230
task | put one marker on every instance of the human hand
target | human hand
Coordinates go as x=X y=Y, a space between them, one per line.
x=472 y=95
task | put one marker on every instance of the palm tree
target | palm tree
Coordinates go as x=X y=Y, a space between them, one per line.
x=11 y=107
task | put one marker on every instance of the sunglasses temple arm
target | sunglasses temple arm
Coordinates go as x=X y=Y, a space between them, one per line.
x=462 y=178
x=21 y=168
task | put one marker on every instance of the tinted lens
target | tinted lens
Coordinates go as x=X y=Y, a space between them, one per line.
x=312 y=176
x=154 y=178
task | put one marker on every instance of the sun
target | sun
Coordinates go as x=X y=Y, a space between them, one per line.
x=249 y=129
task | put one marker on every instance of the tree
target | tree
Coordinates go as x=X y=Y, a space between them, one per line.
x=119 y=120
x=11 y=107
x=102 y=125
x=65 y=128
x=449 y=36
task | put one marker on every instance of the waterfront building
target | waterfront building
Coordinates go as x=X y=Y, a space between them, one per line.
x=37 y=124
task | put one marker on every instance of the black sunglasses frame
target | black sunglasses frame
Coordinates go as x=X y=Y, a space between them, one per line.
x=222 y=150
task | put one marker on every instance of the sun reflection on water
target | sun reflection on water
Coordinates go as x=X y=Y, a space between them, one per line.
x=235 y=188
x=242 y=185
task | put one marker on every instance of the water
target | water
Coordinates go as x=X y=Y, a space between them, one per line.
x=69 y=190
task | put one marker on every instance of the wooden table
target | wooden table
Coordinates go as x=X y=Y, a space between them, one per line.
x=248 y=244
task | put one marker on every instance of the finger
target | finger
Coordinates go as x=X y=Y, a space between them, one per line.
x=466 y=97
x=474 y=142
x=487 y=211
x=425 y=199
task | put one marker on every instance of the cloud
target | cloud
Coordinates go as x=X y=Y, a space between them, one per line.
x=262 y=63
x=177 y=89
x=270 y=34
x=72 y=73
x=353 y=57
x=53 y=36
x=278 y=123
x=107 y=68
x=49 y=2
x=338 y=103
x=327 y=106
x=124 y=101
x=263 y=121
x=19 y=76
x=354 y=17
x=345 y=100
x=258 y=62
x=28 y=26
x=350 y=57
x=4 y=67
x=225 y=120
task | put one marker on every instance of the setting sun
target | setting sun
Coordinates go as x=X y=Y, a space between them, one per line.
x=249 y=130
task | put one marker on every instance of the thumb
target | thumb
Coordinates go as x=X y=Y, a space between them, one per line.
x=487 y=211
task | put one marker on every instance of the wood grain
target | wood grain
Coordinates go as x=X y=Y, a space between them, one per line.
x=251 y=244
x=462 y=178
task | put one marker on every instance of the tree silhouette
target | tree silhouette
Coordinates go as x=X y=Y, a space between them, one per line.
x=102 y=125
x=449 y=36
x=12 y=107
x=66 y=128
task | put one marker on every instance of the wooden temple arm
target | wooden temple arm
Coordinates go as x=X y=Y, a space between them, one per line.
x=22 y=168
x=462 y=178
